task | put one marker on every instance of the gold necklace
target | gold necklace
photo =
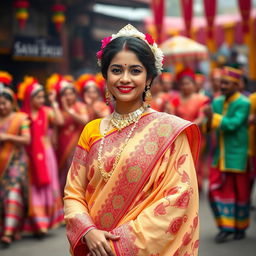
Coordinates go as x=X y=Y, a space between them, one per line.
x=120 y=121
x=104 y=174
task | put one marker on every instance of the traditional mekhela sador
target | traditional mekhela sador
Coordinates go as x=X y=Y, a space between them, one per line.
x=136 y=180
x=75 y=117
x=45 y=202
x=14 y=128
x=229 y=178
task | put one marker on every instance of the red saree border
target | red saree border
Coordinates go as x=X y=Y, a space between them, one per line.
x=125 y=190
x=77 y=226
x=125 y=245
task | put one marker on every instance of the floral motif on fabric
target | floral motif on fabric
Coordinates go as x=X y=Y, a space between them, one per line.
x=126 y=244
x=175 y=225
x=79 y=159
x=77 y=226
x=138 y=165
x=106 y=220
x=187 y=241
x=183 y=200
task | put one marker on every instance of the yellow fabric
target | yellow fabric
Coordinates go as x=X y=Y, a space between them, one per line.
x=163 y=219
x=216 y=120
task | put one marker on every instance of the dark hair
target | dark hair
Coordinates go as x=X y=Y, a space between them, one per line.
x=7 y=96
x=136 y=45
x=62 y=92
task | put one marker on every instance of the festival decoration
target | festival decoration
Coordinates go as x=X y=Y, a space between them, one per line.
x=158 y=7
x=187 y=10
x=58 y=16
x=21 y=12
x=245 y=10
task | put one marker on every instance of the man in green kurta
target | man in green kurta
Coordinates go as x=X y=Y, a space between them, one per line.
x=229 y=180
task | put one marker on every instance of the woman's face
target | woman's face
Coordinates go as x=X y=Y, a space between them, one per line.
x=92 y=93
x=6 y=106
x=126 y=77
x=38 y=100
x=187 y=86
x=70 y=96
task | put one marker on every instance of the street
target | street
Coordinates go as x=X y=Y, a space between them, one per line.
x=56 y=244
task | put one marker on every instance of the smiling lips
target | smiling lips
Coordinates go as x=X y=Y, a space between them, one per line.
x=125 y=89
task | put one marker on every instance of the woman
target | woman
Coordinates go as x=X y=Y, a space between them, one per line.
x=45 y=203
x=131 y=188
x=75 y=116
x=91 y=95
x=190 y=104
x=14 y=135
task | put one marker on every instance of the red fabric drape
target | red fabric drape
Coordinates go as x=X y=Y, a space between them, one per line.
x=245 y=10
x=210 y=12
x=36 y=149
x=187 y=11
x=158 y=13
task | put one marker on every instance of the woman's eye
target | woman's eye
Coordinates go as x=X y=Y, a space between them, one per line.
x=136 y=71
x=116 y=70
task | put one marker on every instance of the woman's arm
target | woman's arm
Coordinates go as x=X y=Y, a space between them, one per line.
x=22 y=139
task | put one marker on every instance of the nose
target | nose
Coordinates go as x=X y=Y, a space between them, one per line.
x=125 y=79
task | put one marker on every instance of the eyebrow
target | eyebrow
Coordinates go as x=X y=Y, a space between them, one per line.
x=120 y=66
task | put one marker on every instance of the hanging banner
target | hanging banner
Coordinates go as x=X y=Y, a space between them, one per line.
x=210 y=13
x=245 y=11
x=158 y=13
x=187 y=11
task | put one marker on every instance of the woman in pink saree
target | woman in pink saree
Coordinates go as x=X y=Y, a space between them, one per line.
x=131 y=188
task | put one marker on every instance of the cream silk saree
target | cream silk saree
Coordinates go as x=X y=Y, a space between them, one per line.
x=150 y=201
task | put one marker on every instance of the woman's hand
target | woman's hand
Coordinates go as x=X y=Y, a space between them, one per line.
x=97 y=243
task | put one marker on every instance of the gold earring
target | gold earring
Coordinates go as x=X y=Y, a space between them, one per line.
x=107 y=97
x=148 y=95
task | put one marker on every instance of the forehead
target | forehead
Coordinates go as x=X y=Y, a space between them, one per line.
x=3 y=99
x=126 y=57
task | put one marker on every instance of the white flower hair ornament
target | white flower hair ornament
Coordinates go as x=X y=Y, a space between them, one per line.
x=131 y=31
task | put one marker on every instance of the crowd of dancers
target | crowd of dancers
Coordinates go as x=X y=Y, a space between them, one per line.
x=40 y=127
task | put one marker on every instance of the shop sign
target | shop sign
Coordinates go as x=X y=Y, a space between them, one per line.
x=37 y=48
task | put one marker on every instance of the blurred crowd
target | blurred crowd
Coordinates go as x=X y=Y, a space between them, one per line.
x=40 y=126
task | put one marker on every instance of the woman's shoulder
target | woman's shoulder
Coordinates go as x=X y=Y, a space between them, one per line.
x=20 y=115
x=92 y=126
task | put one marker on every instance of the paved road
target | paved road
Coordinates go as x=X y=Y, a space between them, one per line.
x=56 y=244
